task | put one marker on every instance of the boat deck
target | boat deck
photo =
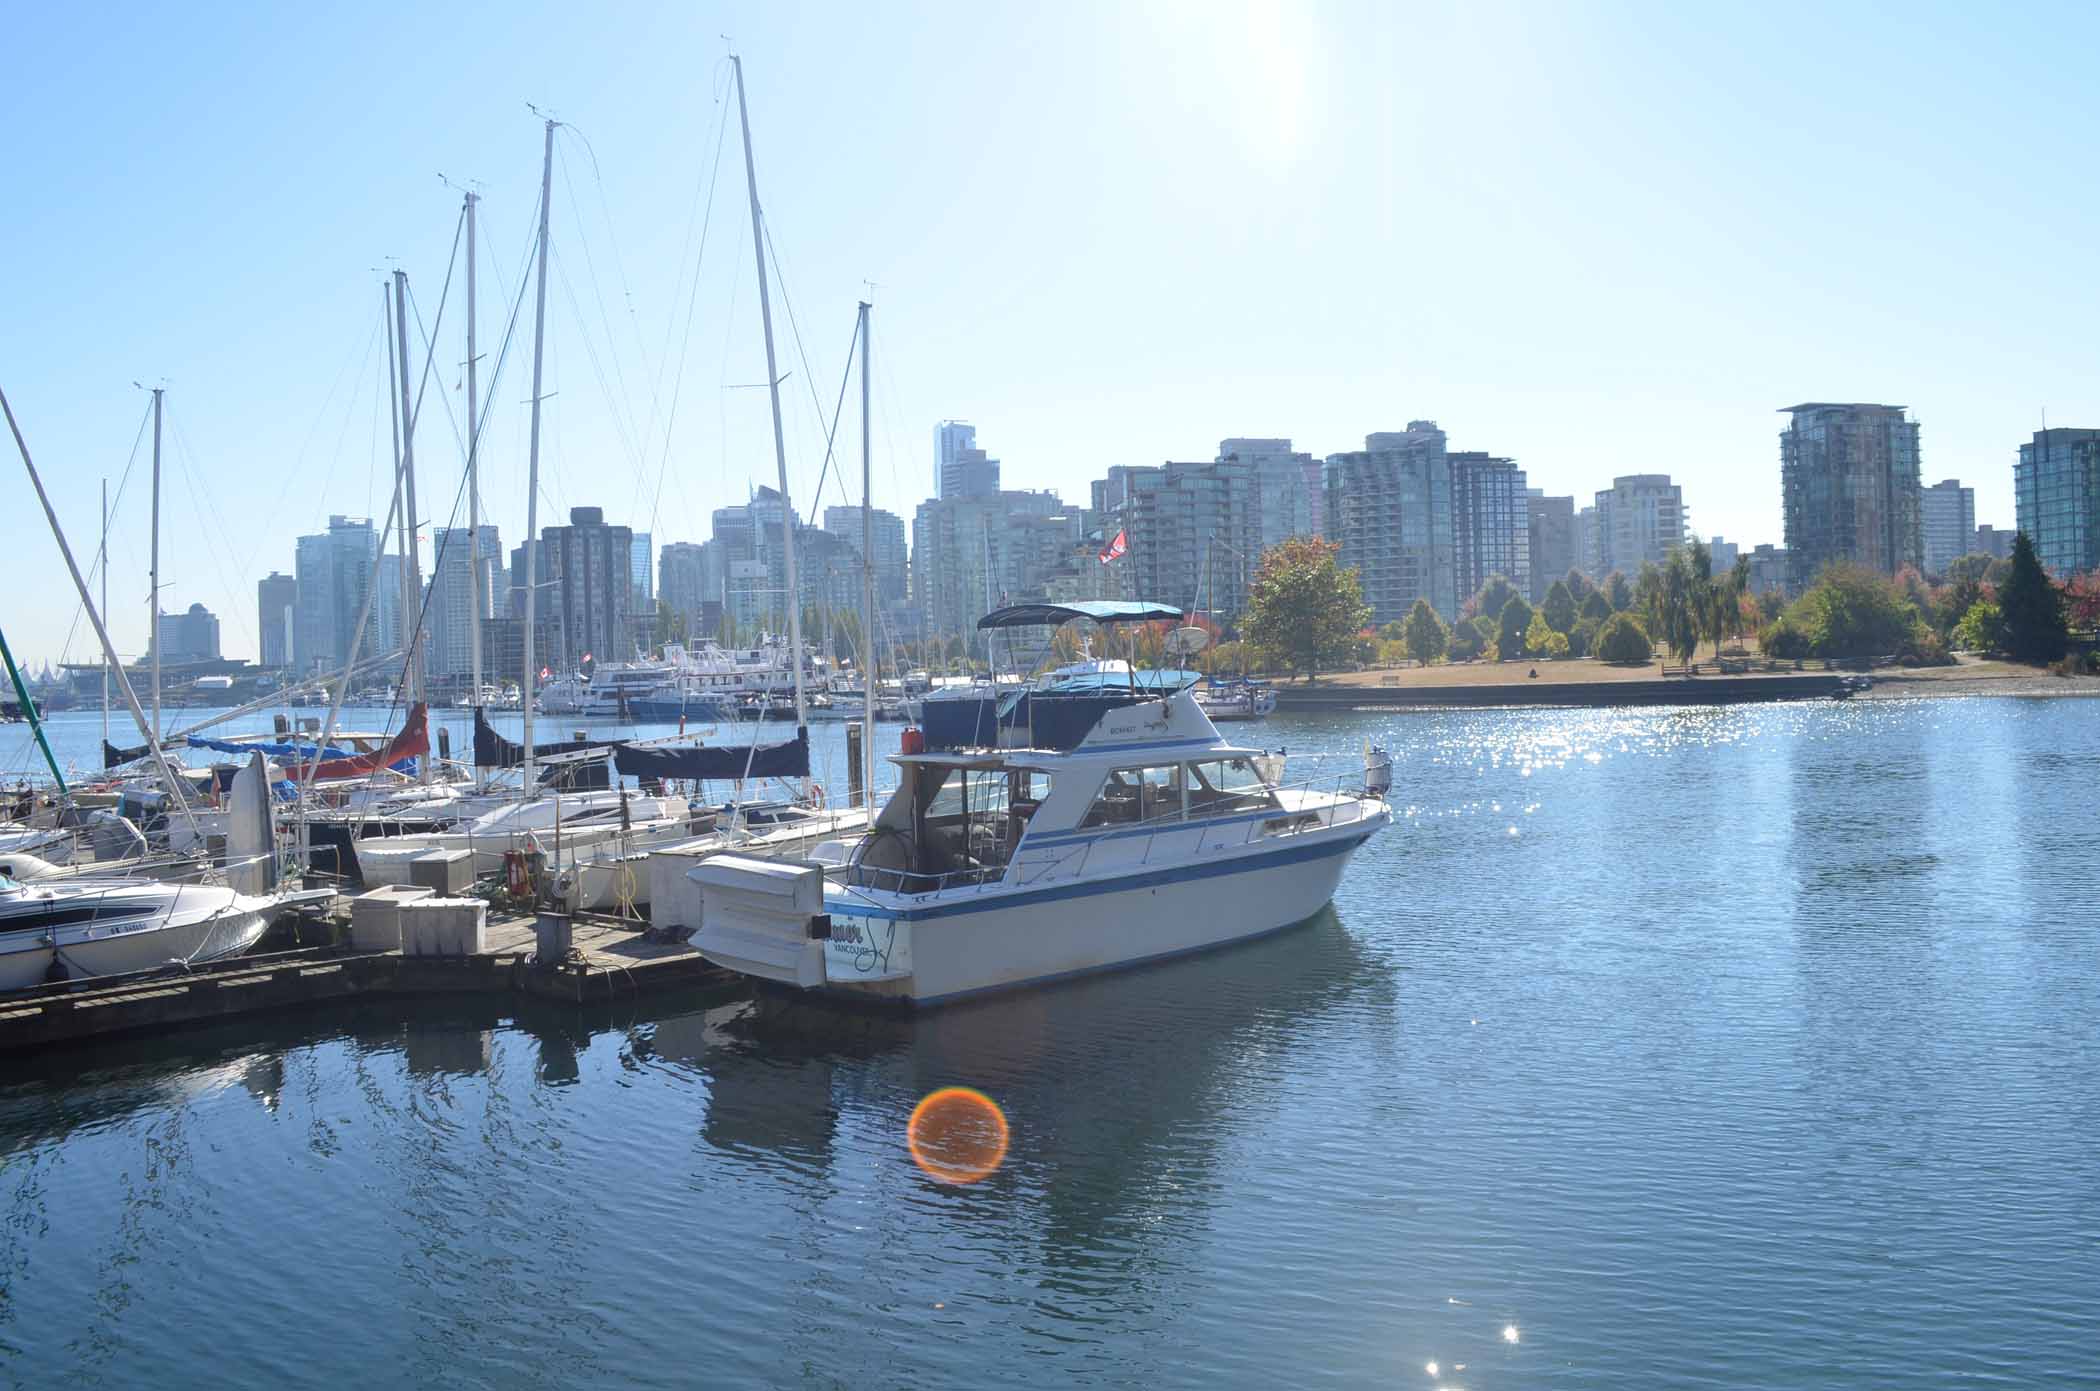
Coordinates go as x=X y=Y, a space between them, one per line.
x=611 y=959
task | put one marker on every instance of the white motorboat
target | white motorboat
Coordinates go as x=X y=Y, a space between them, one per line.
x=613 y=874
x=1230 y=700
x=557 y=826
x=1091 y=823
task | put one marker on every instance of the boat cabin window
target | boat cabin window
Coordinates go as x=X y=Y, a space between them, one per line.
x=964 y=825
x=1131 y=795
x=1224 y=785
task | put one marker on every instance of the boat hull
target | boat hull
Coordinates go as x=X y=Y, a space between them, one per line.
x=222 y=929
x=1007 y=942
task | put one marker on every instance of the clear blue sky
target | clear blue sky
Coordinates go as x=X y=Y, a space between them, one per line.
x=1601 y=238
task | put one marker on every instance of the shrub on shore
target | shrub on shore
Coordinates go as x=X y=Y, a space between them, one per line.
x=1623 y=639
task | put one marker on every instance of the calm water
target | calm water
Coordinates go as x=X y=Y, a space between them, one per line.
x=1708 y=1048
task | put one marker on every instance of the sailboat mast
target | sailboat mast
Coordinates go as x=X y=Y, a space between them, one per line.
x=411 y=566
x=175 y=788
x=153 y=595
x=477 y=579
x=105 y=604
x=765 y=310
x=867 y=579
x=532 y=478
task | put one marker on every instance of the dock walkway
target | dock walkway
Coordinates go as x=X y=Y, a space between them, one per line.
x=611 y=959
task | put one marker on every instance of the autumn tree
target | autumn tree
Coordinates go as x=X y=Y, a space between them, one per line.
x=1304 y=611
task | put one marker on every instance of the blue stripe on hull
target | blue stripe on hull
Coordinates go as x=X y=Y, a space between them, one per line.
x=991 y=902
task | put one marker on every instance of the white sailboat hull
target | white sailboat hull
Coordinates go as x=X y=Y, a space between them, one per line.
x=207 y=923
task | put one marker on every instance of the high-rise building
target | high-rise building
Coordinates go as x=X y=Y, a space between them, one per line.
x=681 y=582
x=1947 y=523
x=1390 y=510
x=1640 y=518
x=1551 y=521
x=962 y=469
x=452 y=614
x=642 y=573
x=1850 y=486
x=1724 y=554
x=1768 y=570
x=590 y=574
x=1589 y=544
x=1490 y=527
x=1995 y=542
x=970 y=554
x=191 y=636
x=1288 y=484
x=2056 y=491
x=276 y=608
x=892 y=567
x=333 y=570
x=521 y=556
x=1193 y=531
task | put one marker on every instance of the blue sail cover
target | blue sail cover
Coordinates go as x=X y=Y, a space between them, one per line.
x=298 y=752
x=716 y=763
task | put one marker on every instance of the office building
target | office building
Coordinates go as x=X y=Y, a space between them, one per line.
x=1995 y=542
x=1389 y=508
x=1724 y=554
x=333 y=570
x=961 y=468
x=276 y=609
x=1287 y=484
x=681 y=584
x=1640 y=519
x=1589 y=546
x=1947 y=524
x=892 y=565
x=590 y=579
x=1192 y=530
x=1768 y=570
x=190 y=636
x=1490 y=530
x=642 y=573
x=2056 y=491
x=467 y=588
x=1551 y=523
x=971 y=554
x=1850 y=485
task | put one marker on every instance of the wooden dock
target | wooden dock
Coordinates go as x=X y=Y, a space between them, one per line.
x=611 y=960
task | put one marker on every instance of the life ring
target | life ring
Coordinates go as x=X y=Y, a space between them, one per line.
x=517 y=873
x=816 y=794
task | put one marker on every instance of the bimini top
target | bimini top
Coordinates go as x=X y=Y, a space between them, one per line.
x=1100 y=610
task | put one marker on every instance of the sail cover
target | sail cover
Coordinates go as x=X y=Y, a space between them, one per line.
x=492 y=750
x=412 y=742
x=718 y=763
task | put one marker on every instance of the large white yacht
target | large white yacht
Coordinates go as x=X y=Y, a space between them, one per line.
x=1088 y=822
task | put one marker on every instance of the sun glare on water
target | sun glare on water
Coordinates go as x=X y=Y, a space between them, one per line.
x=957 y=1135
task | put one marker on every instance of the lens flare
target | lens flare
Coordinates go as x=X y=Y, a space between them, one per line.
x=957 y=1135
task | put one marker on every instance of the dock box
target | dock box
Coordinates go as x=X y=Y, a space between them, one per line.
x=375 y=917
x=443 y=871
x=444 y=927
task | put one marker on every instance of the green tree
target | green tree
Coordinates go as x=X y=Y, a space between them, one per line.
x=1540 y=639
x=1783 y=638
x=1559 y=607
x=1495 y=593
x=1395 y=631
x=1490 y=631
x=1981 y=629
x=1852 y=612
x=1466 y=643
x=1509 y=638
x=1679 y=601
x=1579 y=585
x=1617 y=592
x=1595 y=609
x=1304 y=611
x=1623 y=639
x=2033 y=608
x=1648 y=596
x=1424 y=633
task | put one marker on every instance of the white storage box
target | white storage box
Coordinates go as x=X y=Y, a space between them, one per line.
x=444 y=927
x=375 y=917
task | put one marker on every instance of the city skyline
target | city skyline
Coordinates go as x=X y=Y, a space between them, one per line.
x=1607 y=249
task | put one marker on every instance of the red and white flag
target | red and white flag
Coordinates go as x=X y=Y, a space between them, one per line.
x=1116 y=549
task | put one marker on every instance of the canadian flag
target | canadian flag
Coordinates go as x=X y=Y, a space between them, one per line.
x=1116 y=549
